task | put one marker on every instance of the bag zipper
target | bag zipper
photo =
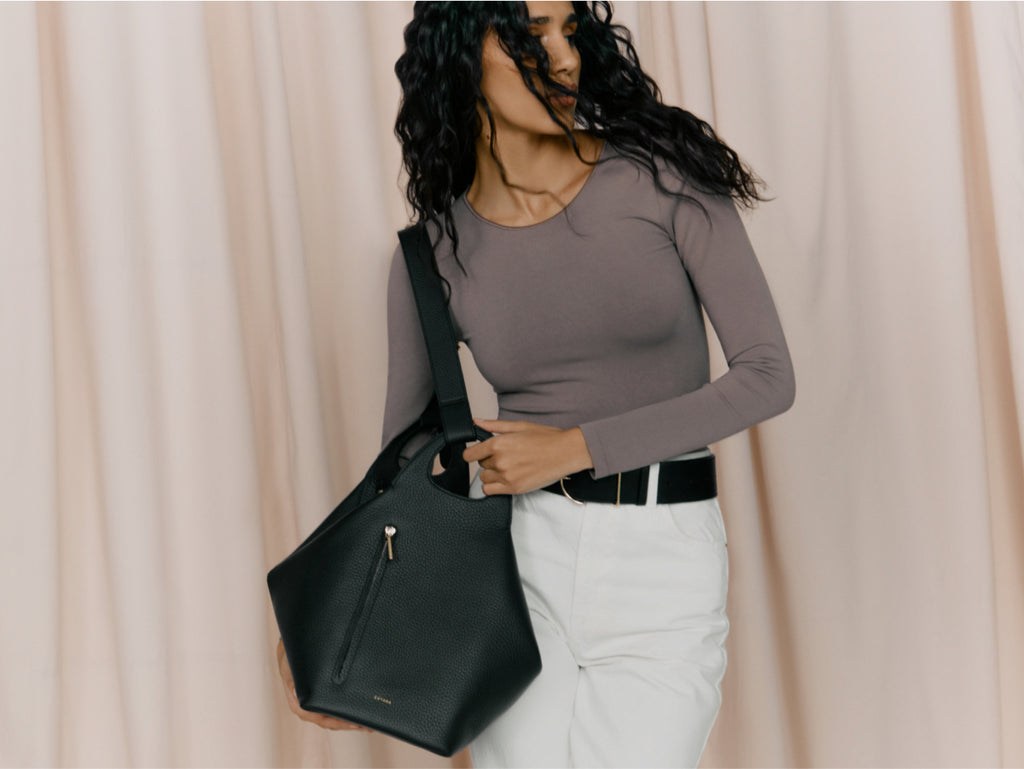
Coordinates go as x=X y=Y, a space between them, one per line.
x=364 y=607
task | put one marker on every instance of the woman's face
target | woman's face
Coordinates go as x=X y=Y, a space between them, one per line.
x=513 y=106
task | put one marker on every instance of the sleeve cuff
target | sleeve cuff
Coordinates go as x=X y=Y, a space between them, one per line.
x=596 y=449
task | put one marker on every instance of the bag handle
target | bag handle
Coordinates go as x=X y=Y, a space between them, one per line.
x=442 y=349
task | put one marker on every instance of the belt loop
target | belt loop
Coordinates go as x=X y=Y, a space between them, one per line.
x=652 y=483
x=618 y=490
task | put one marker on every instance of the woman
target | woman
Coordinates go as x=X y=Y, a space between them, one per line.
x=579 y=225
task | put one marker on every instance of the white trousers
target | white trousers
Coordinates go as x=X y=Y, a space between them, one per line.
x=628 y=604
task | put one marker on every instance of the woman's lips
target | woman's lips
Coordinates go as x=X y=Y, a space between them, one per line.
x=561 y=99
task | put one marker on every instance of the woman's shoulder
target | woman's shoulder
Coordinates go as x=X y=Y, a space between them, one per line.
x=630 y=172
x=440 y=240
x=670 y=172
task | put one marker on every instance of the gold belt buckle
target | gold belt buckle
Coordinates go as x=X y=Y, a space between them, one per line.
x=618 y=489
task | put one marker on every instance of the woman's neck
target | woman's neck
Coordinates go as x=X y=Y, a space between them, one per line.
x=544 y=170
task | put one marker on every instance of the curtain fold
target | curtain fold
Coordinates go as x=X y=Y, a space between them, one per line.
x=198 y=202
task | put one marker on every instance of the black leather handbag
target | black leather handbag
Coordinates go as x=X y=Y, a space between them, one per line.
x=403 y=610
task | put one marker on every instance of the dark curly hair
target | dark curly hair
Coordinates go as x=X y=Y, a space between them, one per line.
x=617 y=101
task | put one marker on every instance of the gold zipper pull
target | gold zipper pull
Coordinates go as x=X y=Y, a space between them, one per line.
x=389 y=532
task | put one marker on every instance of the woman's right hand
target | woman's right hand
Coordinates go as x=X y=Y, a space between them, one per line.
x=327 y=722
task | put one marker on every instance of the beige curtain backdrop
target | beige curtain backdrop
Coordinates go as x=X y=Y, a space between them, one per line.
x=198 y=203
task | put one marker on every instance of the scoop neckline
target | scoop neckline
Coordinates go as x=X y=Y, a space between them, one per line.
x=564 y=209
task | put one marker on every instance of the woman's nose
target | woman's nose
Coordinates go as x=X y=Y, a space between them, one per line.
x=561 y=55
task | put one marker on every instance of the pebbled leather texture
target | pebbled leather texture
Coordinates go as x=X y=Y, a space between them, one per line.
x=430 y=645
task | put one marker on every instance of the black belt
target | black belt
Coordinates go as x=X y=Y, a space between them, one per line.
x=684 y=480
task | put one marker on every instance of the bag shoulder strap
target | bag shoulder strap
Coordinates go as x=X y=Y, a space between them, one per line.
x=439 y=334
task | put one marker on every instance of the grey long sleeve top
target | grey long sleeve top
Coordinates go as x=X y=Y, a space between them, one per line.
x=592 y=318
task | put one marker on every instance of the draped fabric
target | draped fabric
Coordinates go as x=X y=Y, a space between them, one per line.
x=198 y=202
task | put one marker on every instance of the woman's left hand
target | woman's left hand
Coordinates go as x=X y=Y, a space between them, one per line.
x=523 y=456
